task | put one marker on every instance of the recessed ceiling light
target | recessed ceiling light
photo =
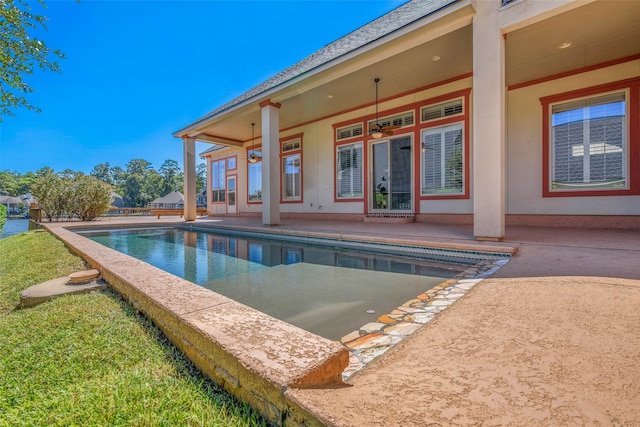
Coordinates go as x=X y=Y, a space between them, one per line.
x=435 y=58
x=564 y=45
x=330 y=96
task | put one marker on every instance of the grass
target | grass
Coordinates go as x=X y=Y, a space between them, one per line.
x=91 y=359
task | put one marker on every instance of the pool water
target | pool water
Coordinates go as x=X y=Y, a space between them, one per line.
x=320 y=287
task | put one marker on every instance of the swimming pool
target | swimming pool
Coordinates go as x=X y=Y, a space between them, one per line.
x=325 y=286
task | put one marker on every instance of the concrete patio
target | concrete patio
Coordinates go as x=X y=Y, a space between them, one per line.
x=550 y=339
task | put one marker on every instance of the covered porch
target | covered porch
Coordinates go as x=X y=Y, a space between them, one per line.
x=477 y=51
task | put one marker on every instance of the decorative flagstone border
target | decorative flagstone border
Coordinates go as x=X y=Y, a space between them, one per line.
x=375 y=338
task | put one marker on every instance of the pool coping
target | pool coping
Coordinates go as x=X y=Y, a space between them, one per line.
x=374 y=339
x=253 y=355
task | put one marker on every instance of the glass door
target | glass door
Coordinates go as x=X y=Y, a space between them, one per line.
x=391 y=170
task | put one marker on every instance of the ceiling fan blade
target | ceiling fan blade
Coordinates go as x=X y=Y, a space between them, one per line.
x=390 y=127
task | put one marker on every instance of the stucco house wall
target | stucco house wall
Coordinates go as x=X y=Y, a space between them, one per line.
x=524 y=149
x=510 y=51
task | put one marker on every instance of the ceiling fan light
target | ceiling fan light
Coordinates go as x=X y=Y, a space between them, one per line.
x=376 y=134
x=252 y=157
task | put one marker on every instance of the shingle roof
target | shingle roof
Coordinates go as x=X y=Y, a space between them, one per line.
x=10 y=200
x=171 y=198
x=398 y=18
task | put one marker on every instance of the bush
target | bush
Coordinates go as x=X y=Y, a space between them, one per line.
x=79 y=195
x=3 y=216
x=90 y=197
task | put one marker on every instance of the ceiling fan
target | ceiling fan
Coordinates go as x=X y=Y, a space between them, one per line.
x=253 y=157
x=377 y=130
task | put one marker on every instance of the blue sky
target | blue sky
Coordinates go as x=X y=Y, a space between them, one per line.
x=137 y=71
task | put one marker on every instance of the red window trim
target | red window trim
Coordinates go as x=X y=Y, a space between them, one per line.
x=349 y=140
x=416 y=130
x=633 y=86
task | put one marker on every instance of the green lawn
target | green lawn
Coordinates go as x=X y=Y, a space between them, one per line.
x=90 y=359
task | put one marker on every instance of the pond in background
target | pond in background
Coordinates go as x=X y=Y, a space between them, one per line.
x=14 y=226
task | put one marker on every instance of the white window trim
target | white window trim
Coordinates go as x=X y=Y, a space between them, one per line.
x=283 y=190
x=258 y=161
x=353 y=146
x=443 y=169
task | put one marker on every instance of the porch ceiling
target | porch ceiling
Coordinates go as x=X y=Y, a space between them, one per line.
x=598 y=31
x=398 y=73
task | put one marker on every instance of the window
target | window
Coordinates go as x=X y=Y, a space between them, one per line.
x=254 y=171
x=442 y=160
x=231 y=163
x=589 y=144
x=591 y=141
x=349 y=132
x=404 y=119
x=444 y=147
x=218 y=181
x=349 y=171
x=291 y=161
x=291 y=177
x=291 y=145
x=439 y=111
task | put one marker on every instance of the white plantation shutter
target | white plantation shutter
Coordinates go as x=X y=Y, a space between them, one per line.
x=589 y=143
x=404 y=119
x=439 y=111
x=442 y=160
x=349 y=132
x=291 y=177
x=349 y=171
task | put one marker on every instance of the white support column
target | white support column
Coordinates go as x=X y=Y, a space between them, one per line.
x=189 y=158
x=488 y=122
x=270 y=163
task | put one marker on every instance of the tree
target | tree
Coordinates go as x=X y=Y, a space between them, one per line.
x=72 y=194
x=102 y=171
x=201 y=177
x=9 y=181
x=118 y=179
x=52 y=195
x=170 y=172
x=152 y=187
x=138 y=166
x=90 y=197
x=133 y=189
x=21 y=53
x=44 y=171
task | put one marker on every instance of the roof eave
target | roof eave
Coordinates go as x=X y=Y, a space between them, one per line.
x=196 y=127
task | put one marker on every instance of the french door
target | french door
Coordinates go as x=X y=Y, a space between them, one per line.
x=391 y=173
